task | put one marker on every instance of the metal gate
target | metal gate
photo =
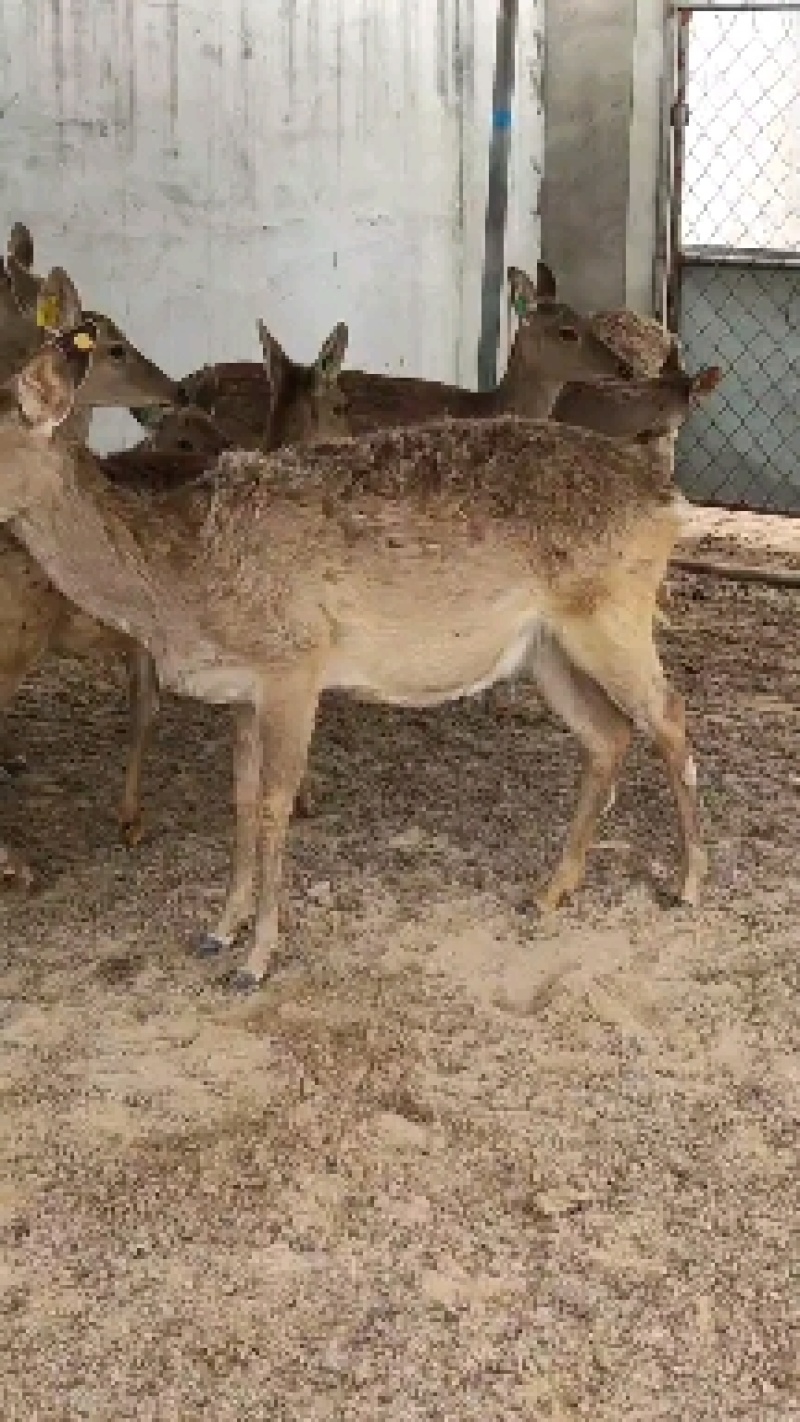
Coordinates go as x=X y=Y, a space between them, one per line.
x=732 y=234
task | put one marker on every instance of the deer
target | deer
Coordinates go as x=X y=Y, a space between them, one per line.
x=412 y=566
x=551 y=347
x=26 y=317
x=233 y=401
x=643 y=407
x=553 y=344
x=35 y=619
x=281 y=401
x=33 y=614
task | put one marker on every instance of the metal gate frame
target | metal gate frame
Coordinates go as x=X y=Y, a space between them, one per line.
x=672 y=258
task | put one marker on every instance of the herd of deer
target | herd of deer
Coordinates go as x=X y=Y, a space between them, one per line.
x=287 y=529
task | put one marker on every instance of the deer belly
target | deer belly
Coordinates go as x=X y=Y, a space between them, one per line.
x=400 y=671
x=220 y=685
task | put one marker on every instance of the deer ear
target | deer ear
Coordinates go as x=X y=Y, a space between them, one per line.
x=523 y=292
x=19 y=247
x=46 y=389
x=9 y=306
x=707 y=380
x=330 y=360
x=546 y=286
x=58 y=305
x=274 y=359
x=672 y=362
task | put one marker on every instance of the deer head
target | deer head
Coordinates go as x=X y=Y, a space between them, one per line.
x=120 y=375
x=32 y=407
x=553 y=341
x=305 y=401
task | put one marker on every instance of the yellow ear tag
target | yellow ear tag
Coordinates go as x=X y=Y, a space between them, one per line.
x=82 y=341
x=48 y=312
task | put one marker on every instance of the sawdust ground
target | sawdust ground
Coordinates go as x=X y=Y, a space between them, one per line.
x=447 y=1164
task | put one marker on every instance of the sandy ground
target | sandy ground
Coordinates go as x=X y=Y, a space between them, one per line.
x=447 y=1164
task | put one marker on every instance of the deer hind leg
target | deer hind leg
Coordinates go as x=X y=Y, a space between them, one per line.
x=605 y=734
x=15 y=872
x=287 y=724
x=240 y=902
x=143 y=698
x=615 y=647
x=12 y=763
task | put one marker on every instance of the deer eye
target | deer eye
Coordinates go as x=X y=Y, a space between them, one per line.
x=117 y=352
x=568 y=333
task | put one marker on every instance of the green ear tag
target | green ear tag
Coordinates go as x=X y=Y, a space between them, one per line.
x=520 y=306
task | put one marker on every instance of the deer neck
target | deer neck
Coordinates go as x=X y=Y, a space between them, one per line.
x=84 y=537
x=525 y=389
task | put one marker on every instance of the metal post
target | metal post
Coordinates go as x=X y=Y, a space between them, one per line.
x=497 y=200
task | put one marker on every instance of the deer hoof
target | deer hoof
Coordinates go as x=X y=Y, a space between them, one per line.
x=303 y=803
x=15 y=873
x=131 y=832
x=243 y=982
x=209 y=947
x=12 y=766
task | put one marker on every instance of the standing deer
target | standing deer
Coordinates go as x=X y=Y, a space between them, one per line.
x=280 y=401
x=35 y=618
x=412 y=567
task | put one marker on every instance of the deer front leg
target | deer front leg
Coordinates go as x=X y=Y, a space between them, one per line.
x=143 y=702
x=240 y=902
x=287 y=722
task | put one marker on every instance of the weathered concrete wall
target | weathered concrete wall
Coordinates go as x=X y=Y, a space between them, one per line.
x=199 y=163
x=603 y=69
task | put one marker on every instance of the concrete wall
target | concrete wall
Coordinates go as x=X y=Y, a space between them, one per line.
x=199 y=163
x=603 y=66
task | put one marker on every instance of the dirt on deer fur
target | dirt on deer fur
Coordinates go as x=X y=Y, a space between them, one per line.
x=449 y=1162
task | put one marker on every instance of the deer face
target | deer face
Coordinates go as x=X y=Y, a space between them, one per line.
x=553 y=340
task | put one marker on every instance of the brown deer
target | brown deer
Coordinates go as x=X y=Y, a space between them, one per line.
x=252 y=406
x=119 y=366
x=637 y=407
x=642 y=407
x=552 y=345
x=296 y=403
x=36 y=619
x=413 y=567
x=34 y=616
x=281 y=401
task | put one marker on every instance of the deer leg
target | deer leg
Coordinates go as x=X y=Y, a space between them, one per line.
x=14 y=869
x=668 y=730
x=626 y=665
x=143 y=697
x=11 y=678
x=287 y=727
x=605 y=735
x=240 y=902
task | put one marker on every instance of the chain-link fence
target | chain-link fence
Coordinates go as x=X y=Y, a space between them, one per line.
x=738 y=124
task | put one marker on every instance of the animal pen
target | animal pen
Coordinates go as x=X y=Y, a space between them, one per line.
x=340 y=392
